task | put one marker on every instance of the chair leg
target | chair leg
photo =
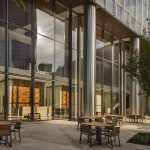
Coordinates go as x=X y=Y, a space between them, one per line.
x=77 y=126
x=19 y=137
x=111 y=143
x=119 y=140
x=114 y=138
x=108 y=139
x=14 y=135
x=6 y=140
x=90 y=141
x=10 y=144
x=80 y=138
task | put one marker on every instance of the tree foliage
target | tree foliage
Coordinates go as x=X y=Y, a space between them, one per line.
x=21 y=4
x=138 y=66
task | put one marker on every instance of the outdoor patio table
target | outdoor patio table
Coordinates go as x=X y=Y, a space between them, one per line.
x=135 y=118
x=99 y=127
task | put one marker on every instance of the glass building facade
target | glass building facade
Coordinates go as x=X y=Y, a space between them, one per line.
x=44 y=58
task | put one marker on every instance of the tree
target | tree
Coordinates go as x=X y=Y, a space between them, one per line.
x=138 y=67
x=21 y=4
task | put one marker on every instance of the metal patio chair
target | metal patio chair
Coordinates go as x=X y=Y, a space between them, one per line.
x=89 y=132
x=16 y=129
x=113 y=133
x=5 y=132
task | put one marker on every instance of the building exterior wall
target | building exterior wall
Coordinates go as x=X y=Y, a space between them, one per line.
x=44 y=49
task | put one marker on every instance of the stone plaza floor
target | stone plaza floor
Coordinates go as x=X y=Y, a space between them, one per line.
x=63 y=135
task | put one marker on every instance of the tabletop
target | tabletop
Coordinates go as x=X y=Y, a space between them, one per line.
x=97 y=124
x=5 y=123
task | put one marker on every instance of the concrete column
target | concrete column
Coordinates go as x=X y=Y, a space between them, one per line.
x=89 y=50
x=135 y=96
x=121 y=102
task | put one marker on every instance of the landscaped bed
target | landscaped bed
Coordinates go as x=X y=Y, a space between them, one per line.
x=141 y=138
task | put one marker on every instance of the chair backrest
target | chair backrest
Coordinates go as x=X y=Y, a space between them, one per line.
x=99 y=119
x=85 y=129
x=81 y=120
x=5 y=130
x=17 y=125
x=120 y=117
x=115 y=131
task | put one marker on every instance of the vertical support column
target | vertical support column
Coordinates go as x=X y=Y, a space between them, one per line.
x=53 y=96
x=6 y=63
x=78 y=66
x=124 y=83
x=53 y=75
x=136 y=103
x=10 y=98
x=33 y=63
x=121 y=79
x=89 y=57
x=70 y=61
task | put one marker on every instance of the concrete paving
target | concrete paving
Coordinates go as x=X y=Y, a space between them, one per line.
x=63 y=135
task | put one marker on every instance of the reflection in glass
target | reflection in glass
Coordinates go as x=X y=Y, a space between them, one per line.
x=107 y=106
x=45 y=23
x=74 y=66
x=44 y=55
x=74 y=31
x=2 y=9
x=116 y=51
x=20 y=49
x=116 y=76
x=107 y=73
x=108 y=52
x=115 y=103
x=99 y=48
x=18 y=16
x=61 y=23
x=2 y=46
x=99 y=71
x=98 y=102
x=61 y=60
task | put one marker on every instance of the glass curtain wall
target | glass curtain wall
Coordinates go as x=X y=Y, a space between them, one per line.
x=38 y=57
x=107 y=73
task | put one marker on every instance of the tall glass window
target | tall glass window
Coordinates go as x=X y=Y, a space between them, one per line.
x=107 y=104
x=2 y=46
x=18 y=16
x=139 y=10
x=20 y=51
x=107 y=74
x=44 y=55
x=115 y=103
x=98 y=102
x=2 y=9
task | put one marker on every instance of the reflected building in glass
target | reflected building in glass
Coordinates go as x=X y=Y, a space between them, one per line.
x=63 y=59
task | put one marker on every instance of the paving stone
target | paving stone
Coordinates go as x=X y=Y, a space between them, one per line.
x=63 y=135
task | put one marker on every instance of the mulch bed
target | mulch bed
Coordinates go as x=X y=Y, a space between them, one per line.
x=140 y=138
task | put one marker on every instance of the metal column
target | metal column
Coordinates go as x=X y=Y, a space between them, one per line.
x=70 y=61
x=6 y=63
x=33 y=64
x=135 y=106
x=90 y=56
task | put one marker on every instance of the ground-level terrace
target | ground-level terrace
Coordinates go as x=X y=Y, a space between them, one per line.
x=63 y=135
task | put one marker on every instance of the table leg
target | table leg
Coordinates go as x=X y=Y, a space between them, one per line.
x=98 y=135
